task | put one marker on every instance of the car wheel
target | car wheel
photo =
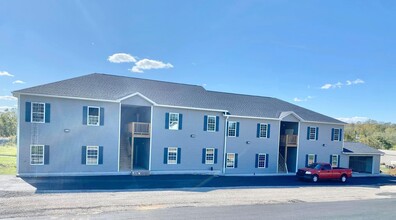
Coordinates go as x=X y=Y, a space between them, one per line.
x=315 y=178
x=344 y=178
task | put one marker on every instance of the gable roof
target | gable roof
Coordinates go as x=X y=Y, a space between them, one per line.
x=359 y=148
x=115 y=88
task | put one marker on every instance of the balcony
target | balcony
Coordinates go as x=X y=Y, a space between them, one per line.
x=289 y=140
x=139 y=129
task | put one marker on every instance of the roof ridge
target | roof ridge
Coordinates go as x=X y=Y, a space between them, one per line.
x=230 y=93
x=155 y=80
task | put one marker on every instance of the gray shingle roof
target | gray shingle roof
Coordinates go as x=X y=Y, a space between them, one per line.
x=112 y=88
x=359 y=148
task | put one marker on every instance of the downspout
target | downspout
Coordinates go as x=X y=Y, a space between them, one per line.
x=225 y=141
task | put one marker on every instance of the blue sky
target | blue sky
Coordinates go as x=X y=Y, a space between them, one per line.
x=291 y=50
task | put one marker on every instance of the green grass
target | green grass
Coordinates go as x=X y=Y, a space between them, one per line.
x=8 y=159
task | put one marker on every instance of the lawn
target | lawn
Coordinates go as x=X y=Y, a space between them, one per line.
x=7 y=159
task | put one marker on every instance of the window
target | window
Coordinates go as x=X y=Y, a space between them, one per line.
x=232 y=129
x=336 y=134
x=37 y=154
x=312 y=133
x=209 y=158
x=172 y=155
x=230 y=163
x=334 y=160
x=261 y=161
x=92 y=155
x=93 y=116
x=263 y=130
x=311 y=159
x=174 y=121
x=211 y=123
x=38 y=112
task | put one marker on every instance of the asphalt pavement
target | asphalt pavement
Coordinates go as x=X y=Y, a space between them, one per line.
x=188 y=181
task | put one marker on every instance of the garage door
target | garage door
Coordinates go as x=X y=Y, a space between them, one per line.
x=361 y=164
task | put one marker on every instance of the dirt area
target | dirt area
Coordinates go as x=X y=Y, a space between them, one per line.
x=28 y=204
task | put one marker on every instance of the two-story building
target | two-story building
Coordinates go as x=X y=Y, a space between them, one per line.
x=101 y=124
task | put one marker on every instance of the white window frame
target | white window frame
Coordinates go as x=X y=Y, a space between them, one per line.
x=214 y=125
x=88 y=121
x=97 y=155
x=261 y=130
x=172 y=150
x=314 y=133
x=313 y=159
x=37 y=145
x=228 y=163
x=228 y=128
x=334 y=134
x=207 y=161
x=170 y=121
x=258 y=161
x=332 y=160
x=31 y=112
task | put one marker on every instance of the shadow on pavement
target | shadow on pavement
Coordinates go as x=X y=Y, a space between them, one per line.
x=188 y=182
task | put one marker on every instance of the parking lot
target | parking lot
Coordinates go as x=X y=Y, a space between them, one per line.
x=82 y=196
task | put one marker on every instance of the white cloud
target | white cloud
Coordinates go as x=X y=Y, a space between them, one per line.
x=354 y=119
x=5 y=73
x=302 y=99
x=121 y=58
x=340 y=84
x=3 y=108
x=18 y=82
x=326 y=86
x=7 y=98
x=147 y=64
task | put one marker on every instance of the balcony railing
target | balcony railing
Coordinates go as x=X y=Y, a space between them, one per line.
x=289 y=140
x=139 y=129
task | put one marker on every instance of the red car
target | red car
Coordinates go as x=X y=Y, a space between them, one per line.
x=318 y=171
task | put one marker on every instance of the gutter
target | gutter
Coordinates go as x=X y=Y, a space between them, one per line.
x=225 y=142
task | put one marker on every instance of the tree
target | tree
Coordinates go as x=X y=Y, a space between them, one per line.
x=8 y=123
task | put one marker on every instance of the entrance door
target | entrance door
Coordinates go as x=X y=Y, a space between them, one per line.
x=291 y=156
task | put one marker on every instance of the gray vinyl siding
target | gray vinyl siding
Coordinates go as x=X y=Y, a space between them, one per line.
x=323 y=147
x=191 y=148
x=247 y=152
x=65 y=148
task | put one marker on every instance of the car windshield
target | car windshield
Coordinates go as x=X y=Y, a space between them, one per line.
x=314 y=166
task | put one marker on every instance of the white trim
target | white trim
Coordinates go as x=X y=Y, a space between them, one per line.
x=136 y=94
x=298 y=144
x=258 y=161
x=312 y=160
x=363 y=154
x=339 y=134
x=207 y=123
x=287 y=113
x=192 y=108
x=18 y=132
x=64 y=97
x=31 y=112
x=277 y=153
x=225 y=145
x=178 y=121
x=206 y=156
x=233 y=164
x=338 y=157
x=119 y=137
x=167 y=161
x=97 y=156
x=253 y=117
x=309 y=135
x=151 y=135
x=30 y=155
x=99 y=114
x=228 y=134
x=266 y=130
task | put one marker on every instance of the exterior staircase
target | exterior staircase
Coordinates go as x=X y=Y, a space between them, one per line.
x=282 y=166
x=125 y=154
